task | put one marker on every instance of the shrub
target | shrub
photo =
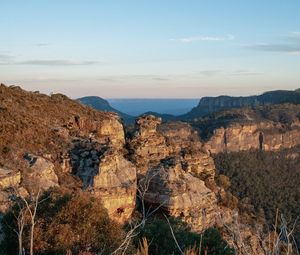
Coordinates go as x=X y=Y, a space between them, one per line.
x=75 y=223
x=161 y=242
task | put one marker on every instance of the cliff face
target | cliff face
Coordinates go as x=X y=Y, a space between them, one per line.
x=215 y=104
x=269 y=136
x=179 y=174
x=54 y=141
x=182 y=195
x=181 y=180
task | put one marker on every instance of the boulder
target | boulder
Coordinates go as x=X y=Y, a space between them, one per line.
x=39 y=174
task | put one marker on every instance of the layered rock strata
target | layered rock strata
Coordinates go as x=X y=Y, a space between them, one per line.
x=267 y=136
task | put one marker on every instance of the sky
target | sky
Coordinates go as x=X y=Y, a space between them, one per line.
x=150 y=48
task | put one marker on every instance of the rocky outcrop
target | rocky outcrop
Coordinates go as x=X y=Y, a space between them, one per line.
x=182 y=195
x=108 y=130
x=40 y=173
x=9 y=178
x=107 y=174
x=267 y=136
x=147 y=147
x=116 y=185
x=179 y=136
x=181 y=178
x=10 y=181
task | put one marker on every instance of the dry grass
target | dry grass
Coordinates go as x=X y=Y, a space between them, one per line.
x=39 y=124
x=143 y=247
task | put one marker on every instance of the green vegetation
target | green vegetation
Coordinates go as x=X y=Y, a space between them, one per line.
x=78 y=224
x=161 y=242
x=270 y=179
x=65 y=223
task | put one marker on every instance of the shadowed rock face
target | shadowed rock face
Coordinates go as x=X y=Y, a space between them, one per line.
x=100 y=164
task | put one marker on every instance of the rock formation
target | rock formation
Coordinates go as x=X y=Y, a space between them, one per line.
x=9 y=185
x=269 y=136
x=47 y=141
x=116 y=185
x=182 y=195
x=209 y=105
x=40 y=173
x=181 y=179
x=147 y=147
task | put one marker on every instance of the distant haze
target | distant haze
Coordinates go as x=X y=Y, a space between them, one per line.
x=138 y=106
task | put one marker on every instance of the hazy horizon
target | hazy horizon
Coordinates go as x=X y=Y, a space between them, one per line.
x=137 y=106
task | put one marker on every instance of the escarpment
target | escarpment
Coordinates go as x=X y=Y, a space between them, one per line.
x=267 y=136
x=268 y=128
x=52 y=141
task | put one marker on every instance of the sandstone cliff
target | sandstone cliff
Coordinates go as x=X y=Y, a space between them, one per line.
x=215 y=104
x=54 y=141
x=181 y=179
x=269 y=136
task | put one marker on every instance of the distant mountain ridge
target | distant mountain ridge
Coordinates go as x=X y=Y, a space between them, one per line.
x=138 y=106
x=101 y=104
x=206 y=105
x=209 y=105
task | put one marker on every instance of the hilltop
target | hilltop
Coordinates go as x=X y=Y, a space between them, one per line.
x=101 y=104
x=209 y=105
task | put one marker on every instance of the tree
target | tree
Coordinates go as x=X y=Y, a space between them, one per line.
x=74 y=222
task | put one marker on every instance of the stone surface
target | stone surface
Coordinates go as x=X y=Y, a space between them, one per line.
x=182 y=195
x=9 y=186
x=116 y=185
x=40 y=173
x=268 y=136
x=147 y=147
x=181 y=178
x=9 y=178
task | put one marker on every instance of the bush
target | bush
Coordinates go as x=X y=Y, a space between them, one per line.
x=161 y=242
x=66 y=222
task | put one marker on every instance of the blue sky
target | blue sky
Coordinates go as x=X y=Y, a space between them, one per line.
x=150 y=49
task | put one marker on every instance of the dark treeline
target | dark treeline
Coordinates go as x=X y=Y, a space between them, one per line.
x=270 y=179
